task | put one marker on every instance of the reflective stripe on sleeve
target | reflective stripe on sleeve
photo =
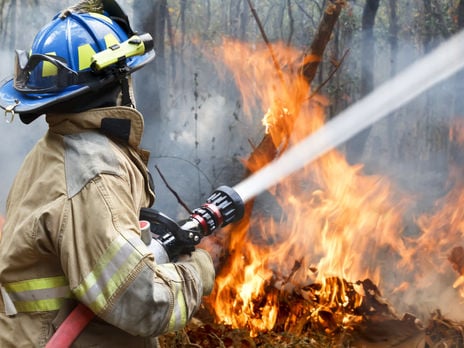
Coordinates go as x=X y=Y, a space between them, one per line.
x=111 y=271
x=39 y=295
x=179 y=312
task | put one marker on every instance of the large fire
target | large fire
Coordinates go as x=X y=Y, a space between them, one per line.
x=328 y=226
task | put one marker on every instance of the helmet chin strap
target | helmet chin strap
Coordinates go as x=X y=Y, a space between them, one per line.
x=126 y=99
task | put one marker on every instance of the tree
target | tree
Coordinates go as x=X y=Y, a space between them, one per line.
x=355 y=146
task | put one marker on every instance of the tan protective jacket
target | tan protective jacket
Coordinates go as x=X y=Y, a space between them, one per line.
x=72 y=234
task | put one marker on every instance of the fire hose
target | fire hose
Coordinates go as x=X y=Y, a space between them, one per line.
x=165 y=237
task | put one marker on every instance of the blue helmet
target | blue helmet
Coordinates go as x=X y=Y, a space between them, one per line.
x=76 y=53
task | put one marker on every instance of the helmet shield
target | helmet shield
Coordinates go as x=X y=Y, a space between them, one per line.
x=55 y=73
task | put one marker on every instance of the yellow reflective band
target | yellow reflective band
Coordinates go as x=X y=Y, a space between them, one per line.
x=48 y=69
x=113 y=284
x=102 y=17
x=111 y=40
x=179 y=312
x=85 y=53
x=51 y=304
x=38 y=295
x=112 y=269
x=92 y=277
x=36 y=284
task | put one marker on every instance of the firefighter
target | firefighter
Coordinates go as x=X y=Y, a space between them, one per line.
x=72 y=234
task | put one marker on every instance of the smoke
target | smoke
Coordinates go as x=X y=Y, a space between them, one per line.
x=17 y=139
x=413 y=148
x=196 y=144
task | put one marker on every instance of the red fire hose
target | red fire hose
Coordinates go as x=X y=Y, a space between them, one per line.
x=71 y=327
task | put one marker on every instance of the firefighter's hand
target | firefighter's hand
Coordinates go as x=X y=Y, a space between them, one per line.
x=203 y=263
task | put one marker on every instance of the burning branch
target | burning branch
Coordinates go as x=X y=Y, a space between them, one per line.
x=267 y=149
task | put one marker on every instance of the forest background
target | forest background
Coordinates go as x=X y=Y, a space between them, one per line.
x=197 y=129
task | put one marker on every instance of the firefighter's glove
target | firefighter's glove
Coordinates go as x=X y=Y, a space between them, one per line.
x=203 y=264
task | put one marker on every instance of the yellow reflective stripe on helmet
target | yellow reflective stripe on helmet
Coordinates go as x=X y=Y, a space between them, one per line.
x=84 y=54
x=48 y=69
x=112 y=270
x=111 y=40
x=38 y=295
x=179 y=312
x=102 y=17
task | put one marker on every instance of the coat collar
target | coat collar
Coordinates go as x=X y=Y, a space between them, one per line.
x=119 y=121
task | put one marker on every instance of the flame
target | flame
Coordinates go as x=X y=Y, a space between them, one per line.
x=328 y=223
x=333 y=218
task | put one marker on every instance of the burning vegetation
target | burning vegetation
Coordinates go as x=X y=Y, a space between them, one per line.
x=320 y=259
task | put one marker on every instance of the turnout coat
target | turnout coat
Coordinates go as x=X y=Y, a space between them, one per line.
x=72 y=235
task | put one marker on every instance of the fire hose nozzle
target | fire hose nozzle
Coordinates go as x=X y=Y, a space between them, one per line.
x=222 y=207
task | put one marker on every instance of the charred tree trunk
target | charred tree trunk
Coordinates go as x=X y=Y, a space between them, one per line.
x=355 y=146
x=322 y=37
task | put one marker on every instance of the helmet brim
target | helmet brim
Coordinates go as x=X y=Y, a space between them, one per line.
x=36 y=105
